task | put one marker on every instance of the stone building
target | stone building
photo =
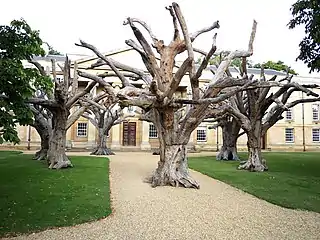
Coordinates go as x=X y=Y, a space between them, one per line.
x=298 y=129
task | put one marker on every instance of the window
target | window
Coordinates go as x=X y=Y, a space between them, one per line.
x=289 y=114
x=201 y=134
x=289 y=135
x=315 y=112
x=153 y=131
x=82 y=129
x=316 y=135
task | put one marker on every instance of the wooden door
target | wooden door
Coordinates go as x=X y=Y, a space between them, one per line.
x=264 y=141
x=129 y=134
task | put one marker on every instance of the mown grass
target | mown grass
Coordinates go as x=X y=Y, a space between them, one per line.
x=33 y=198
x=293 y=179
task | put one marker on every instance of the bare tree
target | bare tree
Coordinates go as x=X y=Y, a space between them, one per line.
x=65 y=95
x=230 y=134
x=104 y=113
x=260 y=108
x=158 y=98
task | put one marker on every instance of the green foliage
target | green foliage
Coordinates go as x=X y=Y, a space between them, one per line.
x=33 y=198
x=307 y=13
x=279 y=66
x=18 y=42
x=293 y=179
x=217 y=59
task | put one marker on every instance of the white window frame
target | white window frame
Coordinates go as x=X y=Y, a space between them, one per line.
x=313 y=135
x=153 y=131
x=315 y=112
x=85 y=131
x=198 y=134
x=286 y=134
x=289 y=114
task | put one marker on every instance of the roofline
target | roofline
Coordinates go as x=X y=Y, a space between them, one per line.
x=110 y=53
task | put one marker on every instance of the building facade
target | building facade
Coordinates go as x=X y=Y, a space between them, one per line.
x=298 y=130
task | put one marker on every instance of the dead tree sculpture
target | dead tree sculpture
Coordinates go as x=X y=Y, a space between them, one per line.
x=230 y=134
x=261 y=108
x=162 y=82
x=65 y=96
x=104 y=114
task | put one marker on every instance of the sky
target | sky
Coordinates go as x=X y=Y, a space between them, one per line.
x=63 y=22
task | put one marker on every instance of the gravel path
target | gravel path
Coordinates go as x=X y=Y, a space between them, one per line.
x=216 y=211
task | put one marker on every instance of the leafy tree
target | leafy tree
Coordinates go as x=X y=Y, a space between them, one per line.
x=279 y=66
x=307 y=13
x=17 y=42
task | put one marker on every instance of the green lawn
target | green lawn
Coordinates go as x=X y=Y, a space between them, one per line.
x=33 y=198
x=293 y=179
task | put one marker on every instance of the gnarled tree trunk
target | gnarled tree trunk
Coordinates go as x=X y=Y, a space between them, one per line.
x=230 y=132
x=57 y=157
x=45 y=139
x=173 y=165
x=102 y=148
x=255 y=161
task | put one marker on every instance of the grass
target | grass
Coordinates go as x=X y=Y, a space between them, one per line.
x=33 y=198
x=293 y=179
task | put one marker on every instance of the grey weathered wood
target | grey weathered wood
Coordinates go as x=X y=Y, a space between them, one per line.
x=173 y=120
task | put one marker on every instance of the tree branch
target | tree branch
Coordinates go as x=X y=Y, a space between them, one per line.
x=194 y=35
x=75 y=98
x=124 y=81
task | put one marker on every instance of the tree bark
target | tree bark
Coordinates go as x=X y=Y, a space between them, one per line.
x=255 y=162
x=102 y=148
x=45 y=139
x=173 y=165
x=173 y=168
x=230 y=132
x=57 y=157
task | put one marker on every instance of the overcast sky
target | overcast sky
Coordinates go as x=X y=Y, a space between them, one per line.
x=100 y=22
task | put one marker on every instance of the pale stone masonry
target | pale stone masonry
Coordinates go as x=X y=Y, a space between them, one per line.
x=300 y=127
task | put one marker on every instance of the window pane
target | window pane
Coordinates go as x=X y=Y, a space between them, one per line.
x=82 y=129
x=201 y=134
x=289 y=136
x=315 y=112
x=316 y=135
x=289 y=114
x=153 y=131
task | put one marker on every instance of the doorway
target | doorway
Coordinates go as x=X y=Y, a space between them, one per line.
x=129 y=134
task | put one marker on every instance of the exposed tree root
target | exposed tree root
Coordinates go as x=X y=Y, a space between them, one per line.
x=228 y=155
x=102 y=151
x=41 y=155
x=248 y=165
x=173 y=169
x=59 y=161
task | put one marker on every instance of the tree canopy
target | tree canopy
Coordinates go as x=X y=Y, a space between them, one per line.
x=279 y=66
x=18 y=42
x=307 y=13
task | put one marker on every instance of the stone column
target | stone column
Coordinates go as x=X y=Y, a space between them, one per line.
x=191 y=146
x=145 y=145
x=115 y=142
x=68 y=138
x=91 y=136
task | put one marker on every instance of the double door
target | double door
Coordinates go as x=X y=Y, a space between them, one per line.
x=129 y=134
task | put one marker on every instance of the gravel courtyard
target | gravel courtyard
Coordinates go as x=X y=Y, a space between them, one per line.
x=216 y=211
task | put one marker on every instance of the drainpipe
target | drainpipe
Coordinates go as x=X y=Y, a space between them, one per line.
x=303 y=132
x=29 y=137
x=217 y=139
